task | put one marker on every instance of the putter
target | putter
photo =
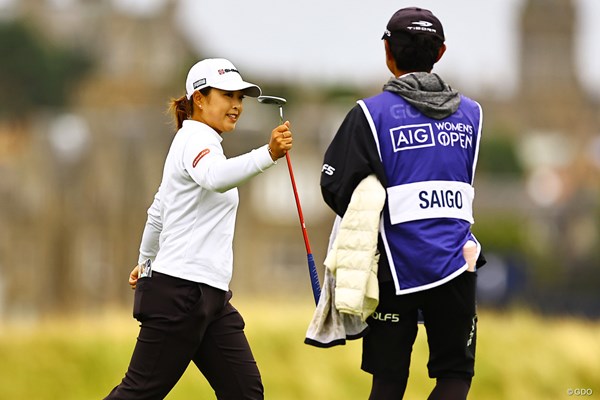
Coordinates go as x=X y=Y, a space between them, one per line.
x=312 y=269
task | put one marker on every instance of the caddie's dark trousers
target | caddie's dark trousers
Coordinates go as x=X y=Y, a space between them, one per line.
x=183 y=321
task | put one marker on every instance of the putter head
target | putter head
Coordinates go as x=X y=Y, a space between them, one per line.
x=279 y=101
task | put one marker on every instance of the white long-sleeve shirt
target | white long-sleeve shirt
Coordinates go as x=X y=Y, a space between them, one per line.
x=190 y=225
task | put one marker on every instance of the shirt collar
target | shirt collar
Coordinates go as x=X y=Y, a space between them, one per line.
x=193 y=124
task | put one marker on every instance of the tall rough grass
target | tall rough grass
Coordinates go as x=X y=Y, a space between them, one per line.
x=520 y=356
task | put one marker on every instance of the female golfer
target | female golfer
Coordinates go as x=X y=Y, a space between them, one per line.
x=185 y=265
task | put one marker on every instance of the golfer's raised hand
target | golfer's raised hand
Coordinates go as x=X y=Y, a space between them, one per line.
x=281 y=141
x=133 y=276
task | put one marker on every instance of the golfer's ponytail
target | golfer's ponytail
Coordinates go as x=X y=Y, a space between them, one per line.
x=181 y=109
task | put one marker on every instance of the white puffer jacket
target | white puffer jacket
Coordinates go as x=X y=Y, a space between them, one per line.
x=353 y=257
x=350 y=291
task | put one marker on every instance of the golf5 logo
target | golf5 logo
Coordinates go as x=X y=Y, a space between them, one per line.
x=328 y=169
x=386 y=317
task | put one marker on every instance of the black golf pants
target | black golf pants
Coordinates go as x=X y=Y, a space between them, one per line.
x=183 y=321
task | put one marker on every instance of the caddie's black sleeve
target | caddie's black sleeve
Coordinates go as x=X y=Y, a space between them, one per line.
x=351 y=157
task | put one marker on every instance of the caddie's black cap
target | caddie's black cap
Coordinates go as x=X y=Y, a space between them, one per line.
x=414 y=20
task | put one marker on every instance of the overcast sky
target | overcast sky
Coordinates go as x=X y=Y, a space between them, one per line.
x=335 y=41
x=321 y=41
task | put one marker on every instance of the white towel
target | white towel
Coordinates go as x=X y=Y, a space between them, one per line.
x=328 y=326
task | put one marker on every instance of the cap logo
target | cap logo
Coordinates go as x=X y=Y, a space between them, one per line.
x=422 y=26
x=422 y=23
x=224 y=71
x=199 y=82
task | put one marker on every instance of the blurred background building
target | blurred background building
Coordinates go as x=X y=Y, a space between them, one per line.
x=84 y=86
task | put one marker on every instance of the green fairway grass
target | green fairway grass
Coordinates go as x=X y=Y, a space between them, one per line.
x=519 y=356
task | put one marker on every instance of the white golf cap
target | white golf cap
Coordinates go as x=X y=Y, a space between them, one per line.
x=218 y=73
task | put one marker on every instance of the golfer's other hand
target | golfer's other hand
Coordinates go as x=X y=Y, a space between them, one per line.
x=133 y=276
